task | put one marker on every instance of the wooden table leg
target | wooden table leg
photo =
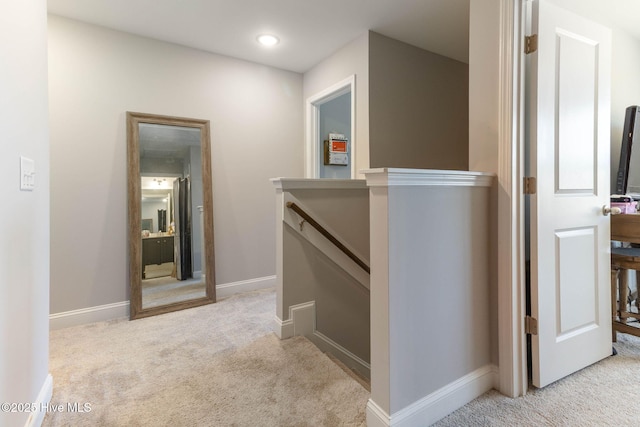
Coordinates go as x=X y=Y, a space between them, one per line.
x=638 y=290
x=623 y=290
x=614 y=305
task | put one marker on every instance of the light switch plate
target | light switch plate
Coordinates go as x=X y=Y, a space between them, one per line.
x=27 y=174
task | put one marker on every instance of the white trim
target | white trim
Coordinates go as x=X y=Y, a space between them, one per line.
x=302 y=322
x=352 y=361
x=303 y=317
x=312 y=143
x=287 y=184
x=99 y=313
x=40 y=405
x=438 y=404
x=304 y=313
x=391 y=177
x=376 y=416
x=241 y=286
x=102 y=313
x=283 y=328
x=512 y=345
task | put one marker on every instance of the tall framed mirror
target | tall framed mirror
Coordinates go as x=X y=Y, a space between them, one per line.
x=170 y=213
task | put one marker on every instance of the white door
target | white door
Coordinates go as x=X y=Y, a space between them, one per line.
x=569 y=156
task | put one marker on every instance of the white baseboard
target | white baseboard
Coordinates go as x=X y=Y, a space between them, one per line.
x=228 y=289
x=352 y=361
x=283 y=328
x=44 y=398
x=436 y=405
x=376 y=416
x=83 y=316
x=302 y=321
x=102 y=313
x=304 y=314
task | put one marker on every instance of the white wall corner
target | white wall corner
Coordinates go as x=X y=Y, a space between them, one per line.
x=283 y=328
x=376 y=416
x=445 y=400
x=301 y=321
x=40 y=405
x=496 y=377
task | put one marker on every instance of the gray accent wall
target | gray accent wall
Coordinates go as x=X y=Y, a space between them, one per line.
x=342 y=303
x=96 y=75
x=419 y=107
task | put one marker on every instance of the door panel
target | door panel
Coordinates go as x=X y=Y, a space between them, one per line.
x=569 y=117
x=577 y=307
x=577 y=91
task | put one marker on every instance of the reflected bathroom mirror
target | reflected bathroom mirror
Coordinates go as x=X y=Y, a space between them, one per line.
x=171 y=257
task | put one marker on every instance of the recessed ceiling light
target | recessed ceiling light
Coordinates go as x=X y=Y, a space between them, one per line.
x=268 y=40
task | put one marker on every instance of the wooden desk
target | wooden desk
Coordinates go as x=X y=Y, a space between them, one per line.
x=624 y=228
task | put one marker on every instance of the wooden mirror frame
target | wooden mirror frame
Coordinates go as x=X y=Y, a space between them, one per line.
x=135 y=219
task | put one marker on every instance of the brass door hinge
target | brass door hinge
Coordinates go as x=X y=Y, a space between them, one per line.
x=530 y=43
x=530 y=325
x=529 y=185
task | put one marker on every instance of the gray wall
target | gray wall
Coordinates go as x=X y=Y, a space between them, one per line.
x=430 y=289
x=95 y=76
x=418 y=110
x=24 y=251
x=625 y=90
x=342 y=307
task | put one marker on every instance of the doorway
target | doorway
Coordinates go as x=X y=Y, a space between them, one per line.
x=331 y=112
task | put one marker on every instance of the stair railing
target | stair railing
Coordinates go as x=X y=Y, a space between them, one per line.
x=307 y=218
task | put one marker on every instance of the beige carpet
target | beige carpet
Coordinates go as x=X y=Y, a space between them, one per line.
x=220 y=365
x=604 y=394
x=216 y=365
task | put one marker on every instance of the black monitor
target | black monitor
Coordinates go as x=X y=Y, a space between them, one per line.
x=628 y=180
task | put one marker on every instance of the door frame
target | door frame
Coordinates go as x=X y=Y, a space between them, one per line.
x=512 y=380
x=313 y=142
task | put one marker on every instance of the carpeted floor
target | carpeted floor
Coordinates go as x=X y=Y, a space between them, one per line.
x=604 y=394
x=220 y=365
x=216 y=365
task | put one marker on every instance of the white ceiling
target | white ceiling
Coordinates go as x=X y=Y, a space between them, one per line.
x=309 y=30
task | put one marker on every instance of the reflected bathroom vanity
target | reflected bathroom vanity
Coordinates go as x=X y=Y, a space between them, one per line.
x=156 y=251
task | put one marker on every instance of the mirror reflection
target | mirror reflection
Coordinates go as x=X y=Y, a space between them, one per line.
x=169 y=218
x=171 y=197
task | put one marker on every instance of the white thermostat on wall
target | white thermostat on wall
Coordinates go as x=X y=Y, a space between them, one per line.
x=338 y=159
